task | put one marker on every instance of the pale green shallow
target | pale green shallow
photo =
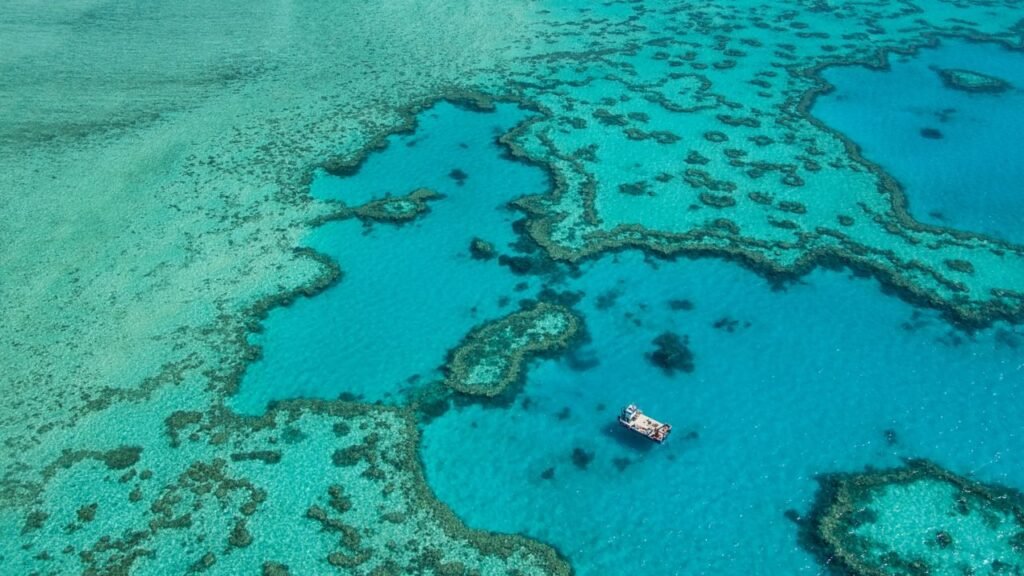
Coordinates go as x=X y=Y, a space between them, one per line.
x=909 y=516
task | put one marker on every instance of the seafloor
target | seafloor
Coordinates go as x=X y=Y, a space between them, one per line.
x=306 y=288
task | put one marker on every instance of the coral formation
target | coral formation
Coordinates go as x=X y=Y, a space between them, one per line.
x=218 y=509
x=397 y=210
x=492 y=356
x=481 y=249
x=917 y=519
x=970 y=81
x=672 y=353
x=767 y=152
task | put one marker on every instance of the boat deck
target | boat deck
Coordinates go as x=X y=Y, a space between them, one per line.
x=641 y=423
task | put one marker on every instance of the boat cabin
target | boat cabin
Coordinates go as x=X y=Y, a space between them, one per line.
x=634 y=419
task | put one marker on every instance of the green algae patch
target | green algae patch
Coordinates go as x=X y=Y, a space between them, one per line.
x=970 y=81
x=918 y=520
x=492 y=356
x=399 y=209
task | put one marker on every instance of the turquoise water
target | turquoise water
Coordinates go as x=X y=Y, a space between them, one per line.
x=909 y=514
x=409 y=293
x=810 y=386
x=829 y=374
x=957 y=154
x=159 y=171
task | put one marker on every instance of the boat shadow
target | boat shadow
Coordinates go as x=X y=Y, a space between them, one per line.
x=627 y=438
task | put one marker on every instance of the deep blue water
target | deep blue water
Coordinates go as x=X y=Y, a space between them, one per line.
x=787 y=384
x=972 y=177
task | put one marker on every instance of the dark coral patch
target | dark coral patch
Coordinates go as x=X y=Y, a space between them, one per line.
x=680 y=304
x=672 y=353
x=275 y=569
x=581 y=458
x=971 y=81
x=607 y=299
x=121 y=458
x=726 y=324
x=265 y=456
x=634 y=188
x=481 y=249
x=891 y=438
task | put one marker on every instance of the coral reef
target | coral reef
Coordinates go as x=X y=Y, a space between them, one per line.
x=492 y=356
x=185 y=203
x=913 y=520
x=481 y=249
x=228 y=512
x=970 y=81
x=399 y=209
x=764 y=143
x=672 y=353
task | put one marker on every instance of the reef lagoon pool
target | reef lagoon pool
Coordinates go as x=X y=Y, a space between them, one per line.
x=409 y=291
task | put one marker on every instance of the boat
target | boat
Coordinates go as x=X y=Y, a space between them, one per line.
x=634 y=419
